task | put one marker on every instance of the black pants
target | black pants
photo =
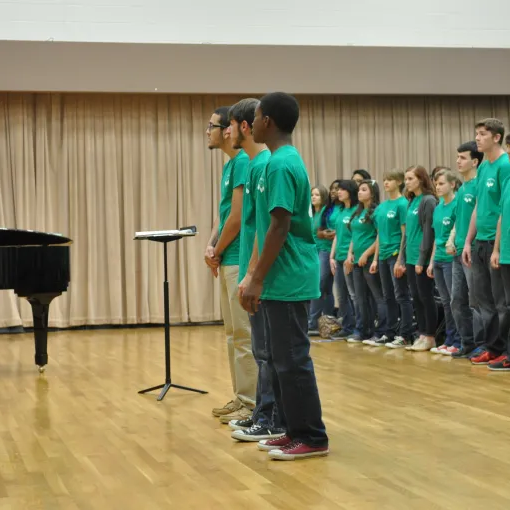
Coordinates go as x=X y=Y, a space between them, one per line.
x=292 y=371
x=425 y=308
x=490 y=297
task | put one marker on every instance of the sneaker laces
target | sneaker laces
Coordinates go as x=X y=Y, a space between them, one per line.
x=254 y=428
x=295 y=443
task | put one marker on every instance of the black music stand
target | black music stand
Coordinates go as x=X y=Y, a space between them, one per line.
x=165 y=237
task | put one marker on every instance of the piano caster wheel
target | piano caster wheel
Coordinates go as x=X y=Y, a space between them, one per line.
x=41 y=369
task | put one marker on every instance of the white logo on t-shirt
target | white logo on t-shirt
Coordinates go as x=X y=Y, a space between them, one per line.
x=415 y=212
x=446 y=221
x=346 y=220
x=490 y=182
x=391 y=214
x=468 y=198
x=261 y=184
x=247 y=187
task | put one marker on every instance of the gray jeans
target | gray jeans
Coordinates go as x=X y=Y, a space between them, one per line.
x=464 y=309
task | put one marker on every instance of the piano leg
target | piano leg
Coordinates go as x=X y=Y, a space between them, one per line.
x=40 y=309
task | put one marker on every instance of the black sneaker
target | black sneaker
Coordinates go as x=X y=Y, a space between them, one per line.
x=340 y=335
x=257 y=433
x=463 y=353
x=240 y=424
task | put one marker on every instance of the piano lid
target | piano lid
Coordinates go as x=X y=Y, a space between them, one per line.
x=16 y=237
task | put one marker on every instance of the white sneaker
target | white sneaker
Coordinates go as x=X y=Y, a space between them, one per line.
x=424 y=344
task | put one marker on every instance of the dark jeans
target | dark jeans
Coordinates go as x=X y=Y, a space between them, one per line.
x=292 y=372
x=326 y=303
x=366 y=286
x=443 y=276
x=490 y=296
x=346 y=306
x=265 y=412
x=505 y=275
x=425 y=309
x=464 y=309
x=396 y=292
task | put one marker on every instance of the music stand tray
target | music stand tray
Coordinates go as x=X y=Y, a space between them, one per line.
x=165 y=237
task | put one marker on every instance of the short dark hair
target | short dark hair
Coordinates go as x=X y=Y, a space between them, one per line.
x=507 y=139
x=222 y=111
x=364 y=173
x=472 y=148
x=494 y=126
x=244 y=110
x=282 y=108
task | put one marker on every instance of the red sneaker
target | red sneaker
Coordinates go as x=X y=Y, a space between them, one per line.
x=484 y=358
x=501 y=364
x=297 y=450
x=273 y=444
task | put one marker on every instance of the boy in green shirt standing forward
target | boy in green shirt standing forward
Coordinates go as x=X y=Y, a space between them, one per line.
x=282 y=279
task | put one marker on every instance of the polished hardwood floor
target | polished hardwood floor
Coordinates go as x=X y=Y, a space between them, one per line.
x=408 y=431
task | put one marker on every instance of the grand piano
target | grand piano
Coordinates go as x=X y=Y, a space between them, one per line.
x=36 y=265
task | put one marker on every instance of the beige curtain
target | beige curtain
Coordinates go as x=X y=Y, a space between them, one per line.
x=98 y=168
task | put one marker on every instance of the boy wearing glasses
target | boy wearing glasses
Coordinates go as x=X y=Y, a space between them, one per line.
x=222 y=256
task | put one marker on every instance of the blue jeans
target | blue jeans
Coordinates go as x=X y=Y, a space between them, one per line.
x=464 y=309
x=292 y=372
x=265 y=412
x=325 y=305
x=396 y=292
x=346 y=306
x=443 y=277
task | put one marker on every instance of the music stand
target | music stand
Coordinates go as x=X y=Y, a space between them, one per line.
x=165 y=237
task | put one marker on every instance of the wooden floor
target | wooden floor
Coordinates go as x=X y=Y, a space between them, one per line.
x=408 y=431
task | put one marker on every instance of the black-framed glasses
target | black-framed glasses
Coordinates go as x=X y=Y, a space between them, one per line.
x=212 y=126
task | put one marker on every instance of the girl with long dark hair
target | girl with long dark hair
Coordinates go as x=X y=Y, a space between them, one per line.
x=348 y=202
x=416 y=254
x=361 y=254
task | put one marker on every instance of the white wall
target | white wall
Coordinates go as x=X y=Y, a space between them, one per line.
x=410 y=23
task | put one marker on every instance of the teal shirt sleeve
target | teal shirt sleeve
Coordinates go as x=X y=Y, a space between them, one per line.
x=281 y=190
x=240 y=171
x=402 y=211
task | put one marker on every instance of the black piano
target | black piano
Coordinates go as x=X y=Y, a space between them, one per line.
x=36 y=265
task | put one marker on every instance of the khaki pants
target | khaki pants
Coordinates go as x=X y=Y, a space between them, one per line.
x=243 y=368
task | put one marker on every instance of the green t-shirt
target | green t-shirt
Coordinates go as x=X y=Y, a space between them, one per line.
x=414 y=232
x=343 y=233
x=233 y=176
x=443 y=221
x=389 y=218
x=504 y=249
x=363 y=235
x=284 y=183
x=466 y=201
x=248 y=222
x=325 y=244
x=491 y=178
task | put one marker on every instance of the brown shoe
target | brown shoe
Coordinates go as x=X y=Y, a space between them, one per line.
x=227 y=408
x=240 y=414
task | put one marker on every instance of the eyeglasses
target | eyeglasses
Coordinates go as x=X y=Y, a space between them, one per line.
x=212 y=126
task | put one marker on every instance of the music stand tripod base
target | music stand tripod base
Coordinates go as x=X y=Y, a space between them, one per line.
x=166 y=237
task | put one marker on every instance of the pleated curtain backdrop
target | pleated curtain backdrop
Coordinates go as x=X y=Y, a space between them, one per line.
x=98 y=168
